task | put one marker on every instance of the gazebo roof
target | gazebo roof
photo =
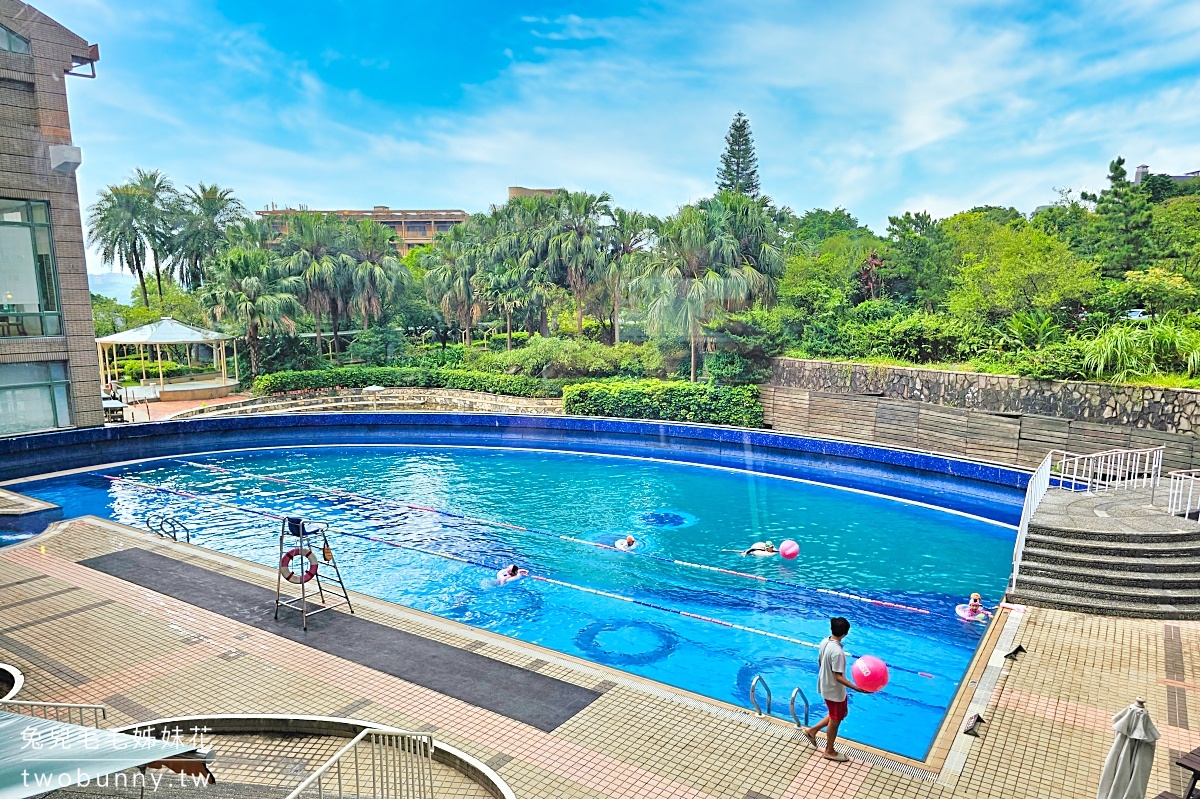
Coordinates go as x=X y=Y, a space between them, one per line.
x=165 y=331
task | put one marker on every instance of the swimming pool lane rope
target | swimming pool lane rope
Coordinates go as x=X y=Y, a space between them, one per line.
x=491 y=523
x=491 y=568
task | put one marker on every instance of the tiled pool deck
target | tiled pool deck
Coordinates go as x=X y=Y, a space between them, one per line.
x=83 y=636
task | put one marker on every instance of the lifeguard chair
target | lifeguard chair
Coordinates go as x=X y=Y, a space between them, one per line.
x=305 y=556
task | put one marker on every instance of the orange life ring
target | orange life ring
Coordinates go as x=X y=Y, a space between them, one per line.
x=285 y=565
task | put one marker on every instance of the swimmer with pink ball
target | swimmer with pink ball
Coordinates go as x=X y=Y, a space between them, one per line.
x=789 y=550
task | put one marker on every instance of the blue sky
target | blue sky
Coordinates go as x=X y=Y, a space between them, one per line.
x=879 y=107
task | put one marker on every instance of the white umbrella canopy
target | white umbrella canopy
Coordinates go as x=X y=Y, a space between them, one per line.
x=1127 y=770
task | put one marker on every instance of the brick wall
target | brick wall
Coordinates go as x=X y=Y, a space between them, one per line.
x=33 y=116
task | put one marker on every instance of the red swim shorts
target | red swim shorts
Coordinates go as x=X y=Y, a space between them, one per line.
x=838 y=710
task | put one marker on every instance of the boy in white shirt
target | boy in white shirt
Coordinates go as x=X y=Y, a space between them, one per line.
x=832 y=684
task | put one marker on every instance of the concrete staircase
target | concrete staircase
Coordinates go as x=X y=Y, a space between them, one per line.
x=1112 y=554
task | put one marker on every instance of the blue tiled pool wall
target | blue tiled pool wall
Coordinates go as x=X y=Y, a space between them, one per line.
x=984 y=490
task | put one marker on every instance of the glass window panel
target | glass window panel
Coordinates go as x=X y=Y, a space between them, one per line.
x=26 y=409
x=18 y=278
x=15 y=374
x=18 y=44
x=41 y=213
x=14 y=211
x=58 y=370
x=4 y=45
x=62 y=407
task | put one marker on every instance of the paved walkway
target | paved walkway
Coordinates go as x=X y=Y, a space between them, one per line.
x=83 y=636
x=157 y=411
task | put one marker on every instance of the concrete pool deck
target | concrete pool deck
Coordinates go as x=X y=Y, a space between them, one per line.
x=80 y=635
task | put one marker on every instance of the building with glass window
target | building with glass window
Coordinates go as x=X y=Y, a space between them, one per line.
x=412 y=228
x=49 y=376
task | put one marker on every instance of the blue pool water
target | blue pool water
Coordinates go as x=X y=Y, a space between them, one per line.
x=853 y=542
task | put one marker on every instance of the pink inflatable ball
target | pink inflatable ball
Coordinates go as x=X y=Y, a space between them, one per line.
x=789 y=550
x=870 y=673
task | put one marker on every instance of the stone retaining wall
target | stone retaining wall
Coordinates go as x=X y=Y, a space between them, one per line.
x=389 y=399
x=1164 y=409
x=995 y=418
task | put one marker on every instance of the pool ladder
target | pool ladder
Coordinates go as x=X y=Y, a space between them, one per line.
x=758 y=678
x=168 y=526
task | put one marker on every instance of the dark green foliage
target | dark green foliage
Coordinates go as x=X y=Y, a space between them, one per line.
x=379 y=346
x=1125 y=219
x=401 y=376
x=745 y=344
x=1163 y=187
x=1064 y=360
x=282 y=352
x=917 y=263
x=676 y=400
x=919 y=337
x=818 y=224
x=1070 y=221
x=500 y=343
x=739 y=164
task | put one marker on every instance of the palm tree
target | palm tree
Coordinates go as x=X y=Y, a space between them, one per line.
x=626 y=238
x=377 y=273
x=504 y=287
x=708 y=260
x=157 y=220
x=204 y=215
x=115 y=227
x=312 y=255
x=251 y=234
x=576 y=250
x=254 y=291
x=451 y=263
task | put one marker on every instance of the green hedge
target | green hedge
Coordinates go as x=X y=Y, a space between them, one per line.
x=670 y=400
x=405 y=376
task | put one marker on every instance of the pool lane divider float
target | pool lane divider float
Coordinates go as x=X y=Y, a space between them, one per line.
x=491 y=523
x=492 y=568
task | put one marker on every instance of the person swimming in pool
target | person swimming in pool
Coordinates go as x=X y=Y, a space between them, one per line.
x=626 y=544
x=510 y=574
x=976 y=610
x=761 y=549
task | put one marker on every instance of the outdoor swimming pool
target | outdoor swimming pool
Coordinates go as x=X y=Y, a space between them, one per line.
x=873 y=547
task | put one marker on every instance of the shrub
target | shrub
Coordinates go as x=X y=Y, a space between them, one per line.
x=1064 y=360
x=131 y=369
x=405 y=376
x=379 y=346
x=669 y=400
x=570 y=358
x=498 y=342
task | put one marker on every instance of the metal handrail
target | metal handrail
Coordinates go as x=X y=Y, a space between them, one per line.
x=1035 y=492
x=1184 y=497
x=792 y=706
x=397 y=765
x=167 y=526
x=56 y=711
x=1113 y=468
x=758 y=678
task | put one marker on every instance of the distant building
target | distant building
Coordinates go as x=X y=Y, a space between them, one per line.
x=49 y=368
x=1143 y=171
x=412 y=228
x=521 y=191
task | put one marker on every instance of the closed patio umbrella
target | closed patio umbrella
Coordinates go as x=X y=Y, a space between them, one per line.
x=1127 y=770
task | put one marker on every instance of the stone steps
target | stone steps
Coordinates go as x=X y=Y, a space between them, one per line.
x=1108 y=590
x=1102 y=573
x=1129 y=561
x=1183 y=536
x=1145 y=609
x=1132 y=545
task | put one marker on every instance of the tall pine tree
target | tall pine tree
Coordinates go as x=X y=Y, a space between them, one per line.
x=1125 y=217
x=739 y=164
